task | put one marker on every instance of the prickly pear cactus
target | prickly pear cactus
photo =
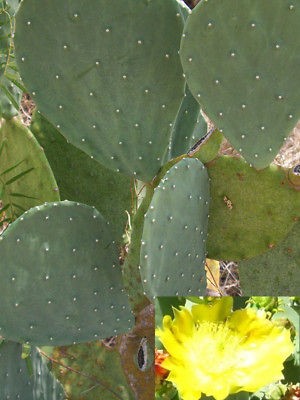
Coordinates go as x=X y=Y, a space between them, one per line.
x=83 y=179
x=276 y=271
x=26 y=178
x=17 y=381
x=62 y=283
x=110 y=80
x=241 y=63
x=251 y=211
x=174 y=237
x=119 y=89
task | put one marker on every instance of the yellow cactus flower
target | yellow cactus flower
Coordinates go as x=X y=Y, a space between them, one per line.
x=217 y=351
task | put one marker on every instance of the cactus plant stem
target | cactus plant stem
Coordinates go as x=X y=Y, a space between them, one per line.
x=137 y=299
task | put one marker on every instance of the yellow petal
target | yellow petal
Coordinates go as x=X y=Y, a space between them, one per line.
x=217 y=310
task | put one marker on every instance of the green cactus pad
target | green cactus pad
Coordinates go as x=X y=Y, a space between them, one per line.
x=251 y=211
x=60 y=279
x=99 y=373
x=174 y=236
x=276 y=272
x=189 y=122
x=107 y=75
x=82 y=179
x=242 y=64
x=16 y=381
x=26 y=179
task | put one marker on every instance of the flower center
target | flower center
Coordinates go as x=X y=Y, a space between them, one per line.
x=213 y=347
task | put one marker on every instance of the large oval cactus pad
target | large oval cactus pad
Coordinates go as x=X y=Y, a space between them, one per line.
x=242 y=64
x=107 y=75
x=17 y=381
x=174 y=237
x=60 y=279
x=26 y=178
x=251 y=211
x=276 y=272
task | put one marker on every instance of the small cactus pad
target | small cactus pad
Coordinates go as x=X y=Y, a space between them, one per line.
x=175 y=229
x=60 y=279
x=26 y=178
x=242 y=64
x=251 y=211
x=83 y=179
x=276 y=272
x=17 y=382
x=107 y=75
x=188 y=120
x=92 y=371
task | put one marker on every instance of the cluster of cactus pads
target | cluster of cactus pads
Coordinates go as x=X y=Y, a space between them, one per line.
x=117 y=192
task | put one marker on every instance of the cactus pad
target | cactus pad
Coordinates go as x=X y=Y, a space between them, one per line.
x=174 y=237
x=82 y=179
x=26 y=178
x=276 y=272
x=251 y=211
x=60 y=279
x=108 y=76
x=242 y=64
x=16 y=381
